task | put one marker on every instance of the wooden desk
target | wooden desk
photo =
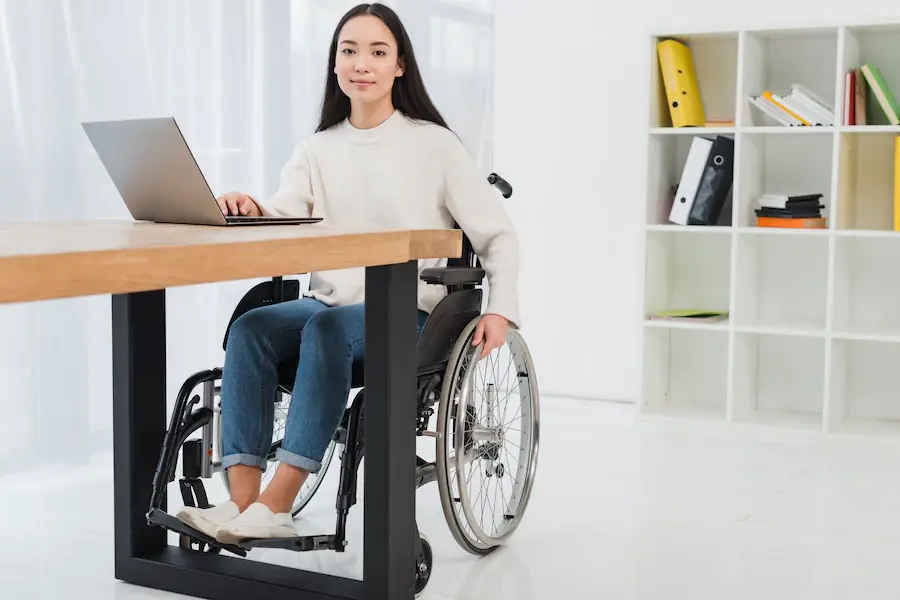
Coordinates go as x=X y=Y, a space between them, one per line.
x=135 y=263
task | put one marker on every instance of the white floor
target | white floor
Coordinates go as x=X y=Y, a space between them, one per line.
x=623 y=510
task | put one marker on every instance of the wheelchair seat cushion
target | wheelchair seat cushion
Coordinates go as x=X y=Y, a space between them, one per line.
x=287 y=372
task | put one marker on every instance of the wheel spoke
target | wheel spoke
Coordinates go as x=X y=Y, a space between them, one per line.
x=482 y=431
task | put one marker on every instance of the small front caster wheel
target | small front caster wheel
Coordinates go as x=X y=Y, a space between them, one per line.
x=423 y=566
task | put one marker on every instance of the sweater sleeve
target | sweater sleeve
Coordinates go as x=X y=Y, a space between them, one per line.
x=294 y=197
x=475 y=206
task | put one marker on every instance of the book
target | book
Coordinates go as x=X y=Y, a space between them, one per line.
x=805 y=223
x=773 y=111
x=689 y=314
x=879 y=88
x=849 y=114
x=897 y=183
x=862 y=96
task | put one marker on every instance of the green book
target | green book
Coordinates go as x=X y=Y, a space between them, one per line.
x=878 y=87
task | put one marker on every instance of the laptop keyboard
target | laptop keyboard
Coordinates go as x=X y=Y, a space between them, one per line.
x=249 y=219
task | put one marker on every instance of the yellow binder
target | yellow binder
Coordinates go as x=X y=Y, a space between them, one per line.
x=676 y=63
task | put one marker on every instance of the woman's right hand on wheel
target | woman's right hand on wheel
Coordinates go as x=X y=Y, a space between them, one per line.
x=236 y=203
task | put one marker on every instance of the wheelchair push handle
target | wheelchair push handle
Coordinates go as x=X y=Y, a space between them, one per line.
x=501 y=184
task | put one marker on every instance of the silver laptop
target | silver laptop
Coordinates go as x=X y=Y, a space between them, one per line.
x=158 y=177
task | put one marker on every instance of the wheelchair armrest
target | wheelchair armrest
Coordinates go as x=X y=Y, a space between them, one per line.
x=453 y=275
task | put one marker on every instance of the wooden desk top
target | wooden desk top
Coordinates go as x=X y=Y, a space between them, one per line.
x=40 y=261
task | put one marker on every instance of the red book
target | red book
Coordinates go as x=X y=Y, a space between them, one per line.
x=850 y=97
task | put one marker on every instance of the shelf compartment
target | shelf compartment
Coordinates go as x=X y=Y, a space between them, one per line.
x=865 y=389
x=867 y=286
x=773 y=60
x=875 y=44
x=687 y=271
x=778 y=380
x=685 y=372
x=866 y=171
x=776 y=163
x=715 y=64
x=781 y=282
x=667 y=155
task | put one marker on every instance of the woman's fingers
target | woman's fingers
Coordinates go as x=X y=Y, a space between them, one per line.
x=491 y=331
x=479 y=333
x=492 y=343
x=232 y=201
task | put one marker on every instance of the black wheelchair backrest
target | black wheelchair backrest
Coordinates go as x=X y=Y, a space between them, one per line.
x=444 y=326
x=263 y=294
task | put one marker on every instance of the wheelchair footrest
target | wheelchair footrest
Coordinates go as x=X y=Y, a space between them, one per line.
x=296 y=544
x=167 y=521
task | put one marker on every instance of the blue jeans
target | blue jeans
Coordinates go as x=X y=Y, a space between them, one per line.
x=328 y=340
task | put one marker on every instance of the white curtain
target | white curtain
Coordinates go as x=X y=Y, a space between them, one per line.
x=244 y=80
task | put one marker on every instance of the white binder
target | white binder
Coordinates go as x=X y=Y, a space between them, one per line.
x=691 y=176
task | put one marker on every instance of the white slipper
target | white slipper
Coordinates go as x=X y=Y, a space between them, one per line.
x=257 y=522
x=208 y=520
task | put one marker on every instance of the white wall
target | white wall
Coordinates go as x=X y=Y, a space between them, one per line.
x=571 y=108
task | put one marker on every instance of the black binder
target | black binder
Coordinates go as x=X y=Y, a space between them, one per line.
x=715 y=183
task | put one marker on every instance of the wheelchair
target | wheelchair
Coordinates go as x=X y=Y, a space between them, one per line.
x=462 y=395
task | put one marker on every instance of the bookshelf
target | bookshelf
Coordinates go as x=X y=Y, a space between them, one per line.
x=812 y=338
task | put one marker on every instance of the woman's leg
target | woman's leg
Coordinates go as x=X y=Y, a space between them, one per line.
x=257 y=342
x=332 y=340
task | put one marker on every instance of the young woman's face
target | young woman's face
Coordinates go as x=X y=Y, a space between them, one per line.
x=367 y=60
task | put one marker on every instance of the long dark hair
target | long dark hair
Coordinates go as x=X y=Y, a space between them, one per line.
x=408 y=94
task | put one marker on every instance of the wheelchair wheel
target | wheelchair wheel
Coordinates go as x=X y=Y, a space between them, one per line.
x=424 y=568
x=312 y=483
x=487 y=447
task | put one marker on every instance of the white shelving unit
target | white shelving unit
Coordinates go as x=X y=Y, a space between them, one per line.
x=812 y=342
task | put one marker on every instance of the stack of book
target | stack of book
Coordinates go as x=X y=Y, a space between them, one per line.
x=781 y=210
x=800 y=107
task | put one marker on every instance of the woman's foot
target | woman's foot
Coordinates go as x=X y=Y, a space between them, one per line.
x=257 y=522
x=208 y=520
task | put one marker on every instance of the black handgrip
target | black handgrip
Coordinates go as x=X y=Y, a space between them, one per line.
x=501 y=184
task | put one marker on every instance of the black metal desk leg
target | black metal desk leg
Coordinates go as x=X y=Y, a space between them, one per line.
x=139 y=421
x=390 y=441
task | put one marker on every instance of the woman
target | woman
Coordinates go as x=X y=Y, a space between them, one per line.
x=382 y=156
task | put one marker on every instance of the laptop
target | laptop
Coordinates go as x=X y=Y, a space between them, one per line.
x=158 y=177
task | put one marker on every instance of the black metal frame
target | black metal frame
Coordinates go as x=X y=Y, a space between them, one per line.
x=142 y=555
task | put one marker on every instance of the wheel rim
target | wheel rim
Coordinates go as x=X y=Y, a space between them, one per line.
x=446 y=465
x=456 y=499
x=496 y=438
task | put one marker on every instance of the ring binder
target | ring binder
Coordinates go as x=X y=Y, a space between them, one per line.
x=676 y=64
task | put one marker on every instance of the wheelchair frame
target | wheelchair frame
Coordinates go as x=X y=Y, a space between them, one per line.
x=450 y=319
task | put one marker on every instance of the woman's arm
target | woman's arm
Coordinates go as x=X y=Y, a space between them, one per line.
x=294 y=197
x=475 y=206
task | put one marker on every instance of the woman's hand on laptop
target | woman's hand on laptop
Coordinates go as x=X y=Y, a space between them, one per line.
x=236 y=203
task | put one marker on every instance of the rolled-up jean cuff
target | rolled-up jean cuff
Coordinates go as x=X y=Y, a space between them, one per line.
x=251 y=460
x=295 y=460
